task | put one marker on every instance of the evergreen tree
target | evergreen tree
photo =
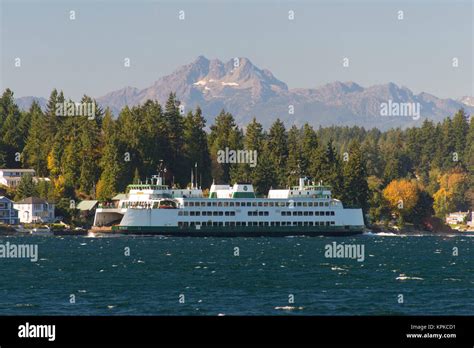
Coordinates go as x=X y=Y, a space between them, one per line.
x=355 y=187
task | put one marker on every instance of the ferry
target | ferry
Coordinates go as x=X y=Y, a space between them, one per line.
x=229 y=211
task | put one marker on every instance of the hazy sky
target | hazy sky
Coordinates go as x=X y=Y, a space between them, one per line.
x=86 y=55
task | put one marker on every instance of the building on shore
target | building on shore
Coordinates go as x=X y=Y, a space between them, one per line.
x=12 y=177
x=458 y=218
x=8 y=214
x=35 y=210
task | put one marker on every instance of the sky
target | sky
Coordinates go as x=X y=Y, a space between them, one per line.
x=86 y=55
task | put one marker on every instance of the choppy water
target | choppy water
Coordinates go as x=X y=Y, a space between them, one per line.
x=260 y=281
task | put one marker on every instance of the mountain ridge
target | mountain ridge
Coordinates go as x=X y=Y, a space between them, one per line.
x=245 y=90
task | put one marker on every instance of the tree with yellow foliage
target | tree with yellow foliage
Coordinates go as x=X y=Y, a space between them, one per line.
x=451 y=194
x=402 y=196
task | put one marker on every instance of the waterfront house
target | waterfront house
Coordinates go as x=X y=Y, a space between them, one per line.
x=8 y=214
x=457 y=218
x=87 y=207
x=12 y=177
x=35 y=210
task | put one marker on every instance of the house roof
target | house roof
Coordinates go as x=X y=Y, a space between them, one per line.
x=5 y=198
x=17 y=170
x=32 y=200
x=119 y=197
x=86 y=205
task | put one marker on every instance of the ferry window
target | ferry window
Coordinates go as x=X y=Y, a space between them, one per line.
x=266 y=213
x=185 y=204
x=328 y=213
x=260 y=213
x=191 y=204
x=260 y=224
x=254 y=204
x=232 y=213
x=208 y=204
x=237 y=204
x=300 y=213
x=198 y=213
x=305 y=204
x=191 y=213
x=180 y=213
x=266 y=223
x=321 y=204
x=185 y=224
x=203 y=204
x=259 y=204
x=305 y=213
x=277 y=223
x=332 y=213
x=221 y=224
x=265 y=204
x=249 y=204
x=326 y=204
x=311 y=223
x=249 y=213
x=191 y=224
x=270 y=204
x=214 y=224
x=310 y=204
x=219 y=204
x=298 y=204
x=186 y=213
x=291 y=192
x=226 y=224
x=221 y=213
x=287 y=204
x=327 y=223
x=214 y=204
x=214 y=213
x=306 y=223
x=283 y=223
x=226 y=204
x=310 y=213
x=333 y=223
x=237 y=223
x=231 y=204
x=316 y=213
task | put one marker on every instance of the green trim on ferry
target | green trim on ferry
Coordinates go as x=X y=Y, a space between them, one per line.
x=243 y=195
x=242 y=230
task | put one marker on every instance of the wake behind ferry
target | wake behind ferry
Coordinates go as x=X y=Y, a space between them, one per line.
x=229 y=211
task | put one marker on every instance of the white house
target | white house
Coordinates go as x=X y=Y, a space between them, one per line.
x=35 y=210
x=457 y=218
x=12 y=177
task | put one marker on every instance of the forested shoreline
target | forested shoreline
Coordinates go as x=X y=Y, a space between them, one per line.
x=407 y=174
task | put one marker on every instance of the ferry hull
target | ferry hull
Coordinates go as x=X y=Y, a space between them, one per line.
x=238 y=232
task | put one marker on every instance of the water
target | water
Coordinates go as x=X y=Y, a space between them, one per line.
x=258 y=282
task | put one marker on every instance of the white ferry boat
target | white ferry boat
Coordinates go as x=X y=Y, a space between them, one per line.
x=156 y=209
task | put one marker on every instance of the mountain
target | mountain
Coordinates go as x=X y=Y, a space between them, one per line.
x=24 y=103
x=246 y=91
x=469 y=101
